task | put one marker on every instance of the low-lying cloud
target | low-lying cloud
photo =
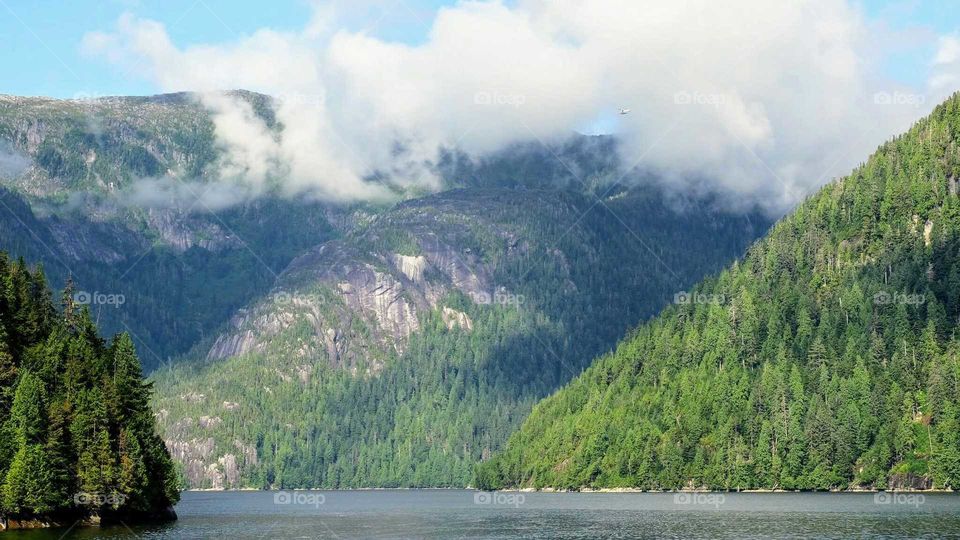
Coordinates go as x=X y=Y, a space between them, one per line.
x=187 y=195
x=767 y=100
x=12 y=163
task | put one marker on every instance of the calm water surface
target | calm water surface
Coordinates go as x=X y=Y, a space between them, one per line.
x=444 y=514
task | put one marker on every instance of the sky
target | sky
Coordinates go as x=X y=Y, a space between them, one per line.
x=764 y=101
x=42 y=38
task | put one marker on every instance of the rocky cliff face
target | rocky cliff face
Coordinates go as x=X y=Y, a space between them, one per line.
x=350 y=304
x=356 y=302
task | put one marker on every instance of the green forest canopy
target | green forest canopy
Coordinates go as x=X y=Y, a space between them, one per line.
x=830 y=359
x=78 y=436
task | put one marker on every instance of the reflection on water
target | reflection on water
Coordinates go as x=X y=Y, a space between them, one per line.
x=446 y=514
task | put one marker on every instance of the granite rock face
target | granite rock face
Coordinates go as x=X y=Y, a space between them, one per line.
x=328 y=291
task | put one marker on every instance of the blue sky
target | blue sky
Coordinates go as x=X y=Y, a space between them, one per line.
x=41 y=38
x=941 y=17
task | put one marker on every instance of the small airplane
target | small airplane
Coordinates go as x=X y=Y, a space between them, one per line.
x=624 y=111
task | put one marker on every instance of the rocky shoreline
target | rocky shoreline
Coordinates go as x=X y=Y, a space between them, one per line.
x=87 y=519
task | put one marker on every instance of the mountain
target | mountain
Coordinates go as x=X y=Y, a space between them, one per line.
x=306 y=343
x=178 y=269
x=79 y=194
x=167 y=277
x=79 y=440
x=827 y=358
x=407 y=350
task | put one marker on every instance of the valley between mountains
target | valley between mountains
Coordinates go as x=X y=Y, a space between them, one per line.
x=299 y=343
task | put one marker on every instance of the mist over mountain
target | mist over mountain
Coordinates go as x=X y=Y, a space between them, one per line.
x=767 y=124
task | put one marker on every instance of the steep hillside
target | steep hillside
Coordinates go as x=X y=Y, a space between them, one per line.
x=73 y=171
x=405 y=351
x=102 y=145
x=826 y=358
x=179 y=270
x=172 y=283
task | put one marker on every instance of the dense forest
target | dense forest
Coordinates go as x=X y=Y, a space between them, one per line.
x=78 y=436
x=454 y=394
x=827 y=358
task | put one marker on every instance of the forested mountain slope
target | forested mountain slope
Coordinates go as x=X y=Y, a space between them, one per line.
x=826 y=358
x=77 y=437
x=316 y=342
x=407 y=350
x=70 y=171
x=172 y=290
x=108 y=190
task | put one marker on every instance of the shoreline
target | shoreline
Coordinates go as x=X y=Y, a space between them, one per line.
x=206 y=490
x=60 y=520
x=581 y=490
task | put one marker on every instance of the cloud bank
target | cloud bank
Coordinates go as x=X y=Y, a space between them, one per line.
x=12 y=163
x=764 y=101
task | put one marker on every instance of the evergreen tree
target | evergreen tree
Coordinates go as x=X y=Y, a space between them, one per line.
x=76 y=432
x=852 y=300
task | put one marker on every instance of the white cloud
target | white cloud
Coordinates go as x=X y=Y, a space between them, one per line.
x=949 y=51
x=768 y=100
x=12 y=162
x=167 y=192
x=946 y=66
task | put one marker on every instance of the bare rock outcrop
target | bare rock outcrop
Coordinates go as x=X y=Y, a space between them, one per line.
x=456 y=319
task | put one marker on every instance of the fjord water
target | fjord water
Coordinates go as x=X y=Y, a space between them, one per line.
x=444 y=514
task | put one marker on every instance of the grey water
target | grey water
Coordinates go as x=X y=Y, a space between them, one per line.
x=453 y=514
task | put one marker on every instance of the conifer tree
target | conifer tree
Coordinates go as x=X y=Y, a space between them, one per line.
x=76 y=432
